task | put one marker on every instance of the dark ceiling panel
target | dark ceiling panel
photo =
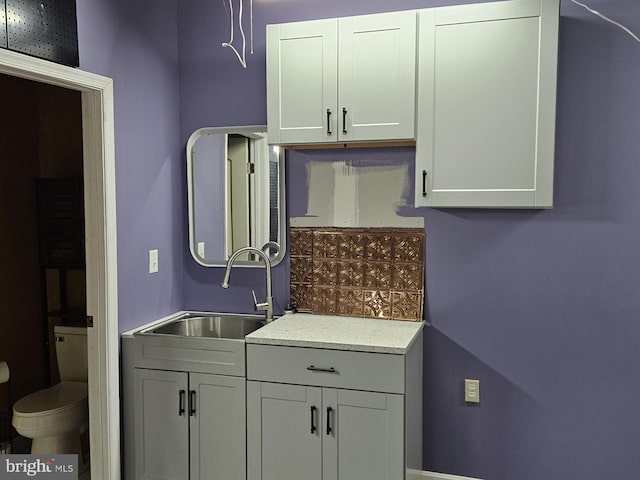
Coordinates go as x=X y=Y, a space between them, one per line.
x=44 y=28
x=3 y=25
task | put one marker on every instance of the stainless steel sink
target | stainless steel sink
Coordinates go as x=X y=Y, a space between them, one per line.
x=212 y=326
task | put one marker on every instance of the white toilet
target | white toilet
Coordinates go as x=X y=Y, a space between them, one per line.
x=56 y=417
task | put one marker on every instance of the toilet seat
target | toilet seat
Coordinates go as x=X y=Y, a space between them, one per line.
x=52 y=411
x=54 y=400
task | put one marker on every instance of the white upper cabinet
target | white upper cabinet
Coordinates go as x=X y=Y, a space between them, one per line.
x=342 y=80
x=486 y=105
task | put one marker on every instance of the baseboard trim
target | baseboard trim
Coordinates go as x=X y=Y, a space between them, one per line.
x=420 y=475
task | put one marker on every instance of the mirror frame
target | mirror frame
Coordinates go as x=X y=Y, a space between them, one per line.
x=248 y=131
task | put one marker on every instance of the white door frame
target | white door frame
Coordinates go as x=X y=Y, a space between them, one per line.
x=101 y=254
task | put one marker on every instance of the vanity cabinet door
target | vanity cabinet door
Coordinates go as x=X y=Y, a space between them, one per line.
x=486 y=104
x=161 y=430
x=217 y=427
x=363 y=435
x=189 y=426
x=301 y=82
x=284 y=432
x=295 y=431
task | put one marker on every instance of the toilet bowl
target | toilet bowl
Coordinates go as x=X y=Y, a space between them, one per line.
x=53 y=417
x=56 y=417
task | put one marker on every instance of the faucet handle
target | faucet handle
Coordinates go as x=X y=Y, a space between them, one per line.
x=259 y=306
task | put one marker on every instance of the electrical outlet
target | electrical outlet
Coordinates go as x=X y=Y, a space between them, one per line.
x=153 y=261
x=471 y=390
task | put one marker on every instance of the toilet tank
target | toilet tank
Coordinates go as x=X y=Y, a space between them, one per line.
x=71 y=353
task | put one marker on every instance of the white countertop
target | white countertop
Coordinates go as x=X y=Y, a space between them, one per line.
x=338 y=333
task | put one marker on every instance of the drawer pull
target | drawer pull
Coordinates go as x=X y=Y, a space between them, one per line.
x=313 y=368
x=329 y=410
x=313 y=419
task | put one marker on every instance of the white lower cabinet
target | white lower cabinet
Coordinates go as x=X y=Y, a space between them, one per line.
x=189 y=425
x=184 y=408
x=323 y=433
x=323 y=414
x=301 y=413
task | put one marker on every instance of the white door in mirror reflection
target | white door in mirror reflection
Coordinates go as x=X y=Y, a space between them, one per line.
x=235 y=193
x=240 y=173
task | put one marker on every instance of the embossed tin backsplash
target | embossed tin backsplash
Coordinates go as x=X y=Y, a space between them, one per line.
x=358 y=272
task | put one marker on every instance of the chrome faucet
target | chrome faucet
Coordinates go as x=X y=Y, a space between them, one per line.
x=267 y=305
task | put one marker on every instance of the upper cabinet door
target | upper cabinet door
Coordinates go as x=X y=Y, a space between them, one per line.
x=338 y=80
x=486 y=105
x=376 y=89
x=302 y=67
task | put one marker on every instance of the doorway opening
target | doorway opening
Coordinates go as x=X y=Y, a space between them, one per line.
x=98 y=185
x=42 y=266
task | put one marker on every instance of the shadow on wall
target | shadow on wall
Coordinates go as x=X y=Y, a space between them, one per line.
x=497 y=416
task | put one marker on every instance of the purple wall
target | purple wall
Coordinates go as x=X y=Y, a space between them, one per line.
x=541 y=306
x=135 y=43
x=216 y=91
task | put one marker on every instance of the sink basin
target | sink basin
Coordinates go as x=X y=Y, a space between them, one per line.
x=212 y=326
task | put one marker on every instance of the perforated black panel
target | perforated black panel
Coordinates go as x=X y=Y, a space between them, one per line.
x=44 y=28
x=3 y=25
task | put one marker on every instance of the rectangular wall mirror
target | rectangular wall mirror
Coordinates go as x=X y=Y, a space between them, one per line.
x=235 y=187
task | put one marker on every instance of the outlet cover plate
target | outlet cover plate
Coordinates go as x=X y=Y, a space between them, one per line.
x=471 y=390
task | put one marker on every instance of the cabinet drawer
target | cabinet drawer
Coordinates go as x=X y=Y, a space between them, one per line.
x=376 y=372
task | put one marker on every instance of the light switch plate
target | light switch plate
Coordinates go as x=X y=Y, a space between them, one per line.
x=201 y=249
x=153 y=261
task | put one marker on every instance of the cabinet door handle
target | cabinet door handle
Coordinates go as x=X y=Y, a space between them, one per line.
x=329 y=430
x=181 y=395
x=313 y=368
x=192 y=403
x=344 y=121
x=329 y=132
x=424 y=183
x=313 y=419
